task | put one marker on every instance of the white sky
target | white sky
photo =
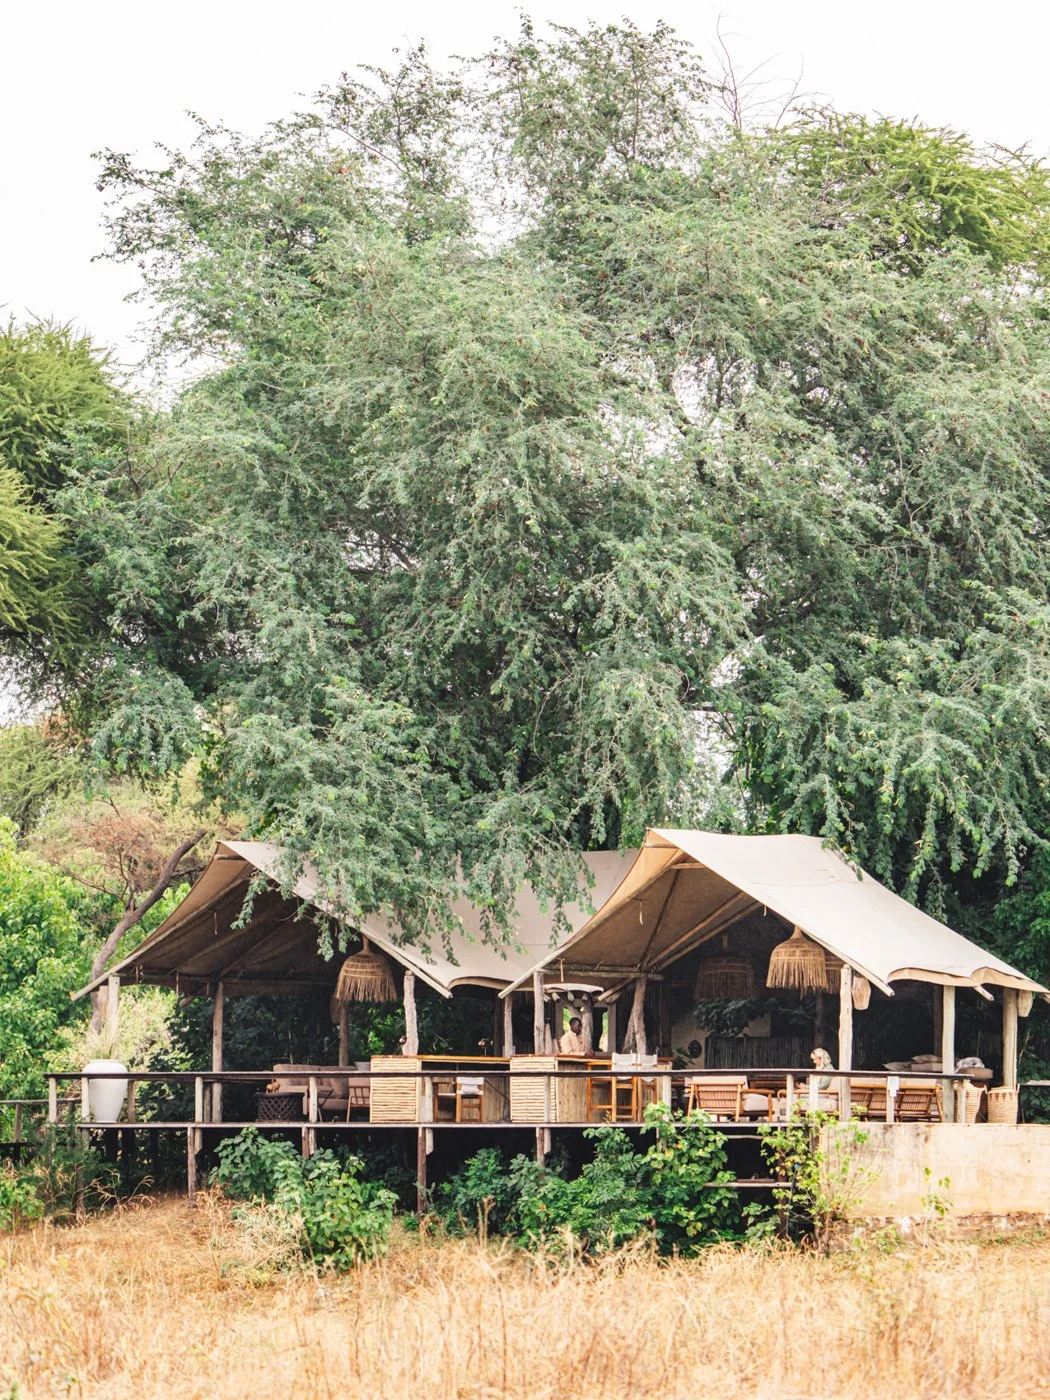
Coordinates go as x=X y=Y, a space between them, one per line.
x=77 y=76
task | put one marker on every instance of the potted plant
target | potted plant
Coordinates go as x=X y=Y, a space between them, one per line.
x=105 y=1096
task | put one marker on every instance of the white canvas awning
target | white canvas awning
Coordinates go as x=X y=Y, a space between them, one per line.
x=688 y=886
x=276 y=950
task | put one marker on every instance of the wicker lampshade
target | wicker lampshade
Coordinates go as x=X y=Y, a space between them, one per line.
x=724 y=976
x=861 y=992
x=365 y=976
x=1024 y=1002
x=798 y=964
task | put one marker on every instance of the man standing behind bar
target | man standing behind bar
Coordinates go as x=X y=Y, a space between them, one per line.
x=571 y=1042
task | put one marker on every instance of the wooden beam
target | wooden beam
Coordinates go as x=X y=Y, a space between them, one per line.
x=948 y=1051
x=217 y=1009
x=1009 y=1038
x=610 y=1028
x=508 y=1026
x=704 y=926
x=845 y=1039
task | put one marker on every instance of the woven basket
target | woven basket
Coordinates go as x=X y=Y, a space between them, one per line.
x=1002 y=1105
x=973 y=1098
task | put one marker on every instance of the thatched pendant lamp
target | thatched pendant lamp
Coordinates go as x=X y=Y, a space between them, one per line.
x=724 y=976
x=798 y=964
x=365 y=976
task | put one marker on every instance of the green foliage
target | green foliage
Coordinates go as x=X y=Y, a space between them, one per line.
x=37 y=768
x=54 y=384
x=339 y=1216
x=498 y=538
x=33 y=575
x=60 y=1177
x=673 y=1192
x=920 y=189
x=19 y=1202
x=819 y=1176
x=44 y=954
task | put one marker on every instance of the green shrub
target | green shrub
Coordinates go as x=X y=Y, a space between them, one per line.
x=674 y=1192
x=60 y=1176
x=339 y=1216
x=20 y=1203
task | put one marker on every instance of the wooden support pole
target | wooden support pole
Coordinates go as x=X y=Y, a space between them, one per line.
x=508 y=1025
x=191 y=1165
x=411 y=1023
x=85 y=1100
x=18 y=1122
x=538 y=1018
x=113 y=1001
x=132 y=1109
x=198 y=1099
x=948 y=1052
x=845 y=1039
x=344 y=1035
x=610 y=1028
x=1009 y=1038
x=421 y=1171
x=217 y=1010
x=52 y=1099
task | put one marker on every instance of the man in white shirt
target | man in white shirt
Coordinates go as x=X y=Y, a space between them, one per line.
x=571 y=1042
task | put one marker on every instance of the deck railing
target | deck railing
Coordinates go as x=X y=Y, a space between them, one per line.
x=208 y=1118
x=207 y=1110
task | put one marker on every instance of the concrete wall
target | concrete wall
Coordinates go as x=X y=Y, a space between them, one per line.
x=993 y=1168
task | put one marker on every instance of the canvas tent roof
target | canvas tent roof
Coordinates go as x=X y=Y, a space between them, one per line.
x=277 y=951
x=688 y=886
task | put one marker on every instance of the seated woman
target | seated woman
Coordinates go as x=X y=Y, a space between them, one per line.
x=827 y=1102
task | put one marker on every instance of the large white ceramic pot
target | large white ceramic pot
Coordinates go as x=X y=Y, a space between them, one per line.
x=106 y=1096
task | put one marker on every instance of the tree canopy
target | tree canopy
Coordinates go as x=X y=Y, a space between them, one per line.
x=567 y=460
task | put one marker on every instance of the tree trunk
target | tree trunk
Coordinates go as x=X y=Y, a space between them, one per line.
x=634 y=1040
x=131 y=917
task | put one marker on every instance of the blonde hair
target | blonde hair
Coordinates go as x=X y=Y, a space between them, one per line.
x=821 y=1058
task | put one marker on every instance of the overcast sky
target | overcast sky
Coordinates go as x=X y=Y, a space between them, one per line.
x=75 y=77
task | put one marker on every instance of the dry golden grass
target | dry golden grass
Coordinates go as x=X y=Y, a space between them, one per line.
x=151 y=1303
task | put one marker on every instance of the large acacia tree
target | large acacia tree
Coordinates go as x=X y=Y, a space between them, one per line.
x=566 y=461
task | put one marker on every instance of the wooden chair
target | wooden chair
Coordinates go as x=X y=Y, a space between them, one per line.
x=615 y=1097
x=470 y=1092
x=719 y=1096
x=918 y=1102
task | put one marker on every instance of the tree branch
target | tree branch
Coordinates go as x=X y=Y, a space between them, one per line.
x=134 y=913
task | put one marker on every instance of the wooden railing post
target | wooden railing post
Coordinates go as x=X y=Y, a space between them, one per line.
x=18 y=1122
x=198 y=1099
x=52 y=1099
x=789 y=1097
x=85 y=1101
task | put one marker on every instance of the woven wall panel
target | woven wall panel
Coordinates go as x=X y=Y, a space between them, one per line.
x=394 y=1100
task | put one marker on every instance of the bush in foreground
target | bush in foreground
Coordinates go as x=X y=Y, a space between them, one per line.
x=336 y=1215
x=674 y=1192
